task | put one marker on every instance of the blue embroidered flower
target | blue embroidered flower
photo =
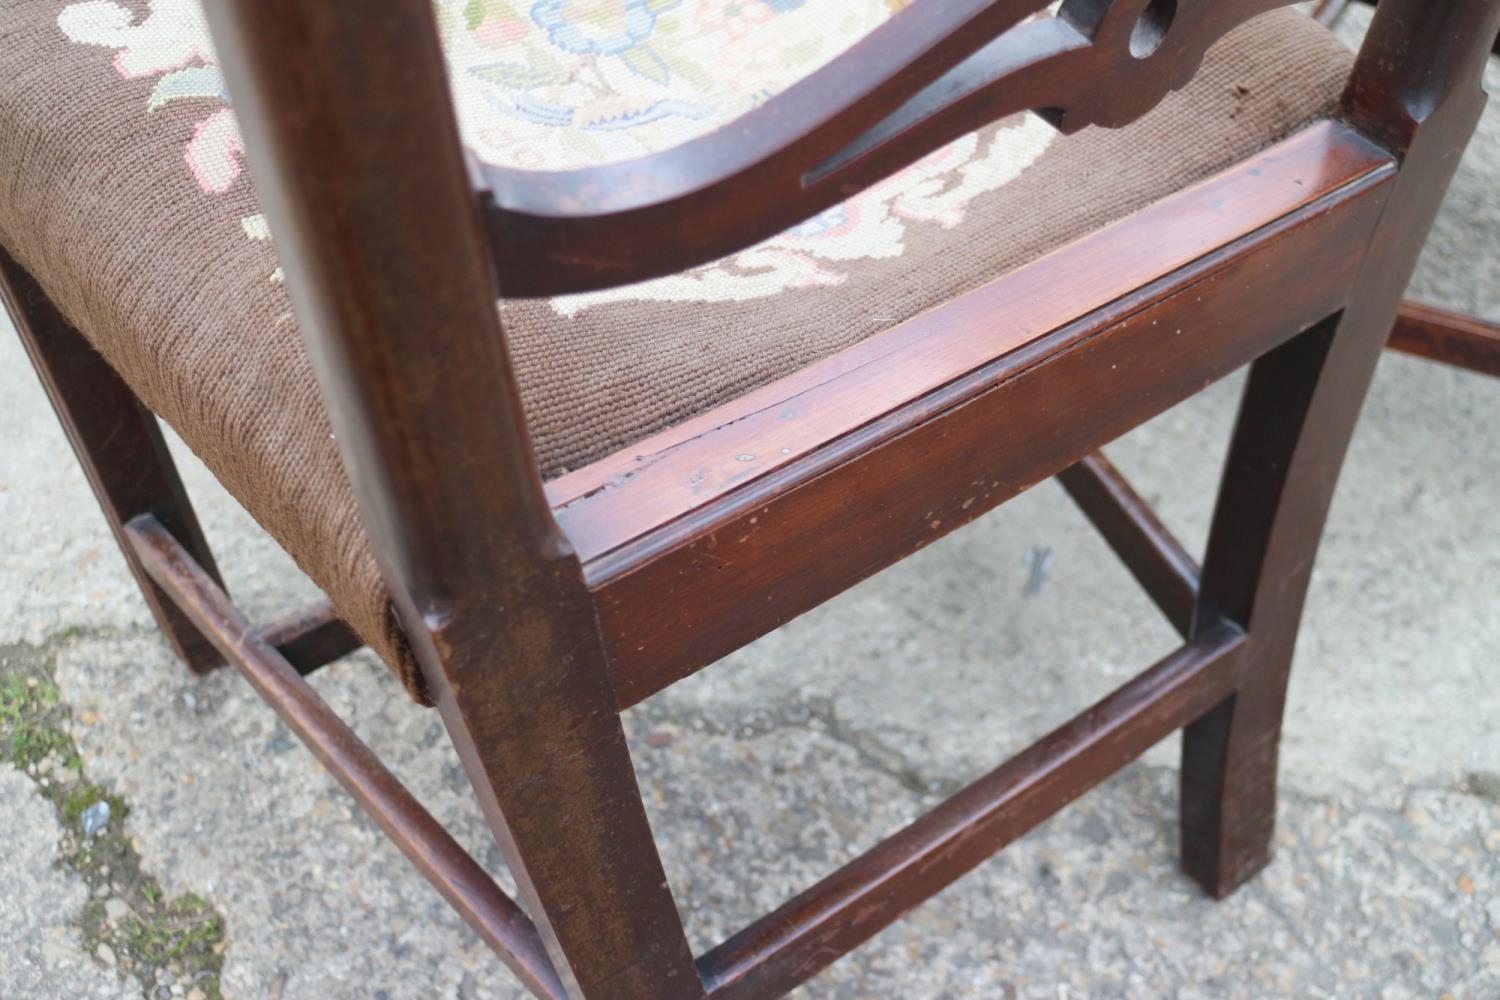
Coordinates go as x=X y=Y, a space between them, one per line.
x=602 y=27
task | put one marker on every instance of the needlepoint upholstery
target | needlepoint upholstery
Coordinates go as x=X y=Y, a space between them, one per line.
x=122 y=190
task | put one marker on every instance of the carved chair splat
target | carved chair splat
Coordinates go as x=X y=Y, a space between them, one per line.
x=537 y=611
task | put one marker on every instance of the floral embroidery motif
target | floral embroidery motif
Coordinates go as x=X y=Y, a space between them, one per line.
x=872 y=225
x=171 y=43
x=552 y=84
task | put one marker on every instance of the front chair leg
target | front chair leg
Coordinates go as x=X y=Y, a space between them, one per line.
x=1293 y=427
x=118 y=443
x=1298 y=415
x=534 y=718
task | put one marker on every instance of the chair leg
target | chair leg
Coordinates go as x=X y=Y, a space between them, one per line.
x=1277 y=486
x=1296 y=421
x=1299 y=411
x=534 y=719
x=118 y=443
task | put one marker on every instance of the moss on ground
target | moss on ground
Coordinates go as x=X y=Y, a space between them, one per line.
x=128 y=921
x=1483 y=784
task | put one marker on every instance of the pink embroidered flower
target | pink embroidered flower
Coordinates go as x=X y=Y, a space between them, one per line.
x=736 y=18
x=170 y=41
x=215 y=152
x=497 y=32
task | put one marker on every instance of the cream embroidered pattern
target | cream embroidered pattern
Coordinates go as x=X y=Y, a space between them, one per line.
x=551 y=84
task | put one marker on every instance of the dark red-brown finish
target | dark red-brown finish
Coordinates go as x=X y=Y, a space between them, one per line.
x=805 y=935
x=1426 y=331
x=386 y=260
x=1449 y=337
x=1415 y=89
x=538 y=612
x=613 y=502
x=870 y=497
x=311 y=637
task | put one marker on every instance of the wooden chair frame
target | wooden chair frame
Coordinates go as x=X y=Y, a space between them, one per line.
x=1427 y=331
x=539 y=611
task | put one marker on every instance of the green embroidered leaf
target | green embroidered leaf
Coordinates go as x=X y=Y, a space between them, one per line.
x=543 y=59
x=679 y=65
x=647 y=63
x=515 y=76
x=195 y=81
x=477 y=10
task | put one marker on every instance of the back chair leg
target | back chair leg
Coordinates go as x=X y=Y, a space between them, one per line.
x=118 y=443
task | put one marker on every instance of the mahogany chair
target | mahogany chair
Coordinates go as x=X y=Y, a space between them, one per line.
x=532 y=579
x=1425 y=330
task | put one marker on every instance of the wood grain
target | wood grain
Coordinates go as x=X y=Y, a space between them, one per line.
x=395 y=295
x=533 y=630
x=622 y=497
x=1416 y=89
x=848 y=907
x=117 y=442
x=671 y=601
x=1443 y=335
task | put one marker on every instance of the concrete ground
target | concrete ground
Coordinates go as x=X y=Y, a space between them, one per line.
x=221 y=860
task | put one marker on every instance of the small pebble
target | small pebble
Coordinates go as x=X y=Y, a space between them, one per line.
x=95 y=818
x=1038 y=565
x=115 y=909
x=106 y=954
